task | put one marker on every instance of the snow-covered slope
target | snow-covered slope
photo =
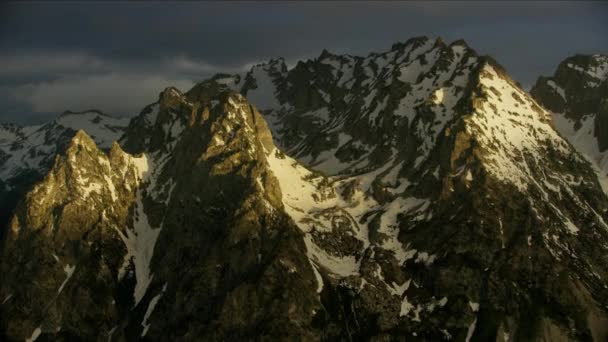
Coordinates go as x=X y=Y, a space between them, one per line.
x=582 y=135
x=347 y=114
x=381 y=230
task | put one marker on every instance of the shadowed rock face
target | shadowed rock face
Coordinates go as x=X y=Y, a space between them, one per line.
x=237 y=248
x=577 y=87
x=456 y=211
x=578 y=90
x=577 y=96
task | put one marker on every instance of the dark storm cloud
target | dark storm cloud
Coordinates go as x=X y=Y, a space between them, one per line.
x=117 y=56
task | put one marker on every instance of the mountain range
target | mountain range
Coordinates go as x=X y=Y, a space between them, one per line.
x=415 y=194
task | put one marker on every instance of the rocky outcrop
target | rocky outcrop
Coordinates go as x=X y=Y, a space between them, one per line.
x=96 y=221
x=27 y=153
x=578 y=87
x=62 y=242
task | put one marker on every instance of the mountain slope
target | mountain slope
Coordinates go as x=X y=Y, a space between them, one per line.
x=236 y=244
x=346 y=114
x=476 y=136
x=498 y=173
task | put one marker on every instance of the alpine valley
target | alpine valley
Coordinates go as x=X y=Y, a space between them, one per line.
x=418 y=194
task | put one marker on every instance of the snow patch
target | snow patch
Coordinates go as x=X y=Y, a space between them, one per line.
x=141 y=240
x=438 y=96
x=469 y=176
x=406 y=307
x=585 y=141
x=341 y=266
x=474 y=306
x=69 y=271
x=471 y=330
x=150 y=310
x=263 y=97
x=571 y=227
x=557 y=89
x=35 y=335
x=317 y=276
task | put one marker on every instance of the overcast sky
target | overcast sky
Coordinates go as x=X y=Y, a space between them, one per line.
x=117 y=57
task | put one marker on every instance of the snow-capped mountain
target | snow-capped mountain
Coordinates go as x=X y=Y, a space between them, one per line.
x=29 y=147
x=577 y=96
x=416 y=194
x=27 y=153
x=345 y=114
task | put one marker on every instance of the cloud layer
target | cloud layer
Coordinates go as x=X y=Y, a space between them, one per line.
x=110 y=93
x=118 y=56
x=36 y=87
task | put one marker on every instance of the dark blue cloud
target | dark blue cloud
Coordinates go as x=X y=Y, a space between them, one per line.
x=55 y=43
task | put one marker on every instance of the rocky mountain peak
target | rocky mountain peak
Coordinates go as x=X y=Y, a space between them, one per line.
x=460 y=42
x=413 y=42
x=170 y=95
x=577 y=88
x=81 y=139
x=332 y=93
x=576 y=97
x=278 y=63
x=28 y=153
x=325 y=55
x=592 y=68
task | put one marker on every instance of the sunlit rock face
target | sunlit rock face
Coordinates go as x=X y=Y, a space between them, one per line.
x=27 y=153
x=128 y=233
x=415 y=194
